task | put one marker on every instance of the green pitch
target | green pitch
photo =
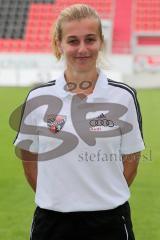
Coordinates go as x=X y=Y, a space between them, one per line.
x=17 y=198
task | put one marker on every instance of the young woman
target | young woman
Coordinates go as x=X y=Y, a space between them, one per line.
x=80 y=140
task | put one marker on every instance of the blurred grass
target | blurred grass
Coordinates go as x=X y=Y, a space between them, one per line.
x=17 y=199
x=145 y=190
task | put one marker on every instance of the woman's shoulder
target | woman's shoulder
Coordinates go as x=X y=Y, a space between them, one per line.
x=121 y=85
x=41 y=89
x=122 y=88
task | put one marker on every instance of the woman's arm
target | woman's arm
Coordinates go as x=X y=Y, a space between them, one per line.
x=130 y=163
x=29 y=161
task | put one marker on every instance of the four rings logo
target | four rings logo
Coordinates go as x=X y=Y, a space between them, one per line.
x=101 y=121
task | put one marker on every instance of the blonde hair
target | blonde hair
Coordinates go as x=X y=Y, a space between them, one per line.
x=73 y=12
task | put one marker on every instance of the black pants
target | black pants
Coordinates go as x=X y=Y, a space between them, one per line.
x=96 y=225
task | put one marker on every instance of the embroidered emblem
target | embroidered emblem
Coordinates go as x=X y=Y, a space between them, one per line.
x=55 y=122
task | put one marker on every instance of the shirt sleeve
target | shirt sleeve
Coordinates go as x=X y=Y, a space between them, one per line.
x=27 y=137
x=133 y=140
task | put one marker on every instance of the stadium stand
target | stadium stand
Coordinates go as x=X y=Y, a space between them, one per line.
x=147 y=15
x=122 y=29
x=146 y=35
x=25 y=25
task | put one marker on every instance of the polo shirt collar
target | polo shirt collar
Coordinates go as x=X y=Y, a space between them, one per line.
x=100 y=87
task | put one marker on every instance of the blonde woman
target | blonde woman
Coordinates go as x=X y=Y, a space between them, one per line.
x=84 y=139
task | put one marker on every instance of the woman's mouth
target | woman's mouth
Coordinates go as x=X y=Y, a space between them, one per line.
x=83 y=58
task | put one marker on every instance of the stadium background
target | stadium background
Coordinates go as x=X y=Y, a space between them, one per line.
x=132 y=34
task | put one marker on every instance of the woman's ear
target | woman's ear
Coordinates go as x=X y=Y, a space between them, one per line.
x=59 y=45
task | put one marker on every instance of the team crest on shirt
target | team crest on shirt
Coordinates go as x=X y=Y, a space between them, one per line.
x=56 y=122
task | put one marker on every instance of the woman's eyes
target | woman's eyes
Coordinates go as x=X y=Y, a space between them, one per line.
x=73 y=41
x=76 y=42
x=90 y=40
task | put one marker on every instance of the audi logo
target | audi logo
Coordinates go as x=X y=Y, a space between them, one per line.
x=102 y=122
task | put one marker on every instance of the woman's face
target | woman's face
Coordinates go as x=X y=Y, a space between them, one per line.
x=80 y=44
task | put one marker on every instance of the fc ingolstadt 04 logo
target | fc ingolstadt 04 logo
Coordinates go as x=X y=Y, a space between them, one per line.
x=55 y=122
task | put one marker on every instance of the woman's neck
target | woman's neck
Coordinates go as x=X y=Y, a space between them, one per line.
x=84 y=82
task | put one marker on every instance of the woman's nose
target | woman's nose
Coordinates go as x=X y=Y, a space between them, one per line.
x=82 y=47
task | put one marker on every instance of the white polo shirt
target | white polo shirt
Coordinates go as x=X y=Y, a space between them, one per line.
x=80 y=143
